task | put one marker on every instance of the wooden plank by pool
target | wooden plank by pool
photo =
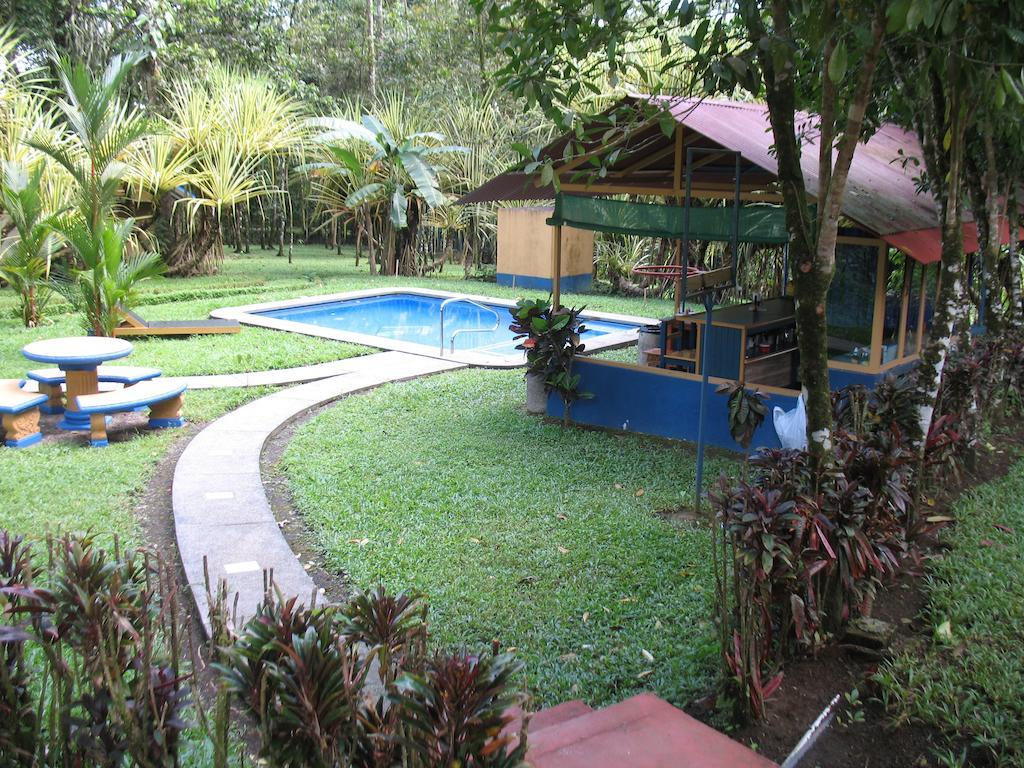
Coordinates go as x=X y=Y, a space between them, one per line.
x=134 y=325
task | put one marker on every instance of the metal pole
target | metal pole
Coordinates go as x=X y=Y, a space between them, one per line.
x=736 y=221
x=706 y=343
x=685 y=245
x=677 y=260
x=709 y=305
x=556 y=269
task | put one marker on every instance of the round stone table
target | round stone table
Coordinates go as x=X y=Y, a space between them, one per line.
x=78 y=357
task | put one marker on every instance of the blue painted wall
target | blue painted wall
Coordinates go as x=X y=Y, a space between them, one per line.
x=569 y=283
x=840 y=378
x=645 y=400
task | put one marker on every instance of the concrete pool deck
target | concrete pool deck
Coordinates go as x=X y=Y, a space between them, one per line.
x=249 y=315
x=221 y=510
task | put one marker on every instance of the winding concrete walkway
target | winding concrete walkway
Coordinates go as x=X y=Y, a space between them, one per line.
x=221 y=511
x=299 y=375
x=280 y=377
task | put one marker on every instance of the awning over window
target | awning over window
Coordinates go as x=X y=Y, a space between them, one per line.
x=925 y=245
x=758 y=223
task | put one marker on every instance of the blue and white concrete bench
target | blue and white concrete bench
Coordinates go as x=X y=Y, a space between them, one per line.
x=20 y=412
x=163 y=398
x=52 y=380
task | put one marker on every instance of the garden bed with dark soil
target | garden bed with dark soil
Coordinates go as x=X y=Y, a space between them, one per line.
x=862 y=735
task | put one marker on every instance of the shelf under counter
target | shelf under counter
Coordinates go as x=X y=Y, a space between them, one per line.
x=776 y=369
x=755 y=358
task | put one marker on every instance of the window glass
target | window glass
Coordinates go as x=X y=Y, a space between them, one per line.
x=851 y=303
x=895 y=275
x=913 y=306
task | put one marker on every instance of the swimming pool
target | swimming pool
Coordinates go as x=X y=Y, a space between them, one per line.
x=476 y=328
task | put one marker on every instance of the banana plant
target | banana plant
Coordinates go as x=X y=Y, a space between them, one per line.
x=398 y=172
x=26 y=252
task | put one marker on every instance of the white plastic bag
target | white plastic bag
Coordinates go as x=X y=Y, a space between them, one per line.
x=791 y=426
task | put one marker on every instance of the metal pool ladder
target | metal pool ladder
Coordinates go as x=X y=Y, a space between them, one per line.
x=455 y=300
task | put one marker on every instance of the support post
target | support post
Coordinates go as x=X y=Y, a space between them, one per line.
x=556 y=269
x=167 y=413
x=678 y=262
x=709 y=306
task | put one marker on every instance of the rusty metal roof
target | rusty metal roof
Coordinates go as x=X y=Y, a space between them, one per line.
x=881 y=194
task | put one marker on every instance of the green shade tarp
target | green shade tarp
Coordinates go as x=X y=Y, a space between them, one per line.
x=759 y=223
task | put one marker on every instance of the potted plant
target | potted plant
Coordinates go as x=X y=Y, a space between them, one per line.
x=551 y=338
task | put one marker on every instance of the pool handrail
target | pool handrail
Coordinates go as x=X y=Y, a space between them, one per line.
x=457 y=299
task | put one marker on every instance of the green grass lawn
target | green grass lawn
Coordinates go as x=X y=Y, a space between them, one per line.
x=541 y=537
x=969 y=680
x=65 y=486
x=247 y=279
x=36 y=485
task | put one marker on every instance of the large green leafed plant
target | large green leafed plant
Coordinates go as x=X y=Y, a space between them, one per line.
x=101 y=128
x=551 y=339
x=26 y=254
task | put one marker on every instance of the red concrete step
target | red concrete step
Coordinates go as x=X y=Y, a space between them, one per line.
x=641 y=732
x=558 y=714
x=546 y=718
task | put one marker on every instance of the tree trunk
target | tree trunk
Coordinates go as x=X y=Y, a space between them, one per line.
x=371 y=41
x=992 y=245
x=280 y=202
x=941 y=128
x=371 y=252
x=950 y=295
x=406 y=240
x=247 y=229
x=812 y=248
x=1015 y=311
x=236 y=228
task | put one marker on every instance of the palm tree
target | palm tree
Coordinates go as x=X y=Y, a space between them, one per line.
x=26 y=252
x=400 y=175
x=100 y=129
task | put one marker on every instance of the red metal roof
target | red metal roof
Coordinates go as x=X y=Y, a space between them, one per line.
x=925 y=245
x=881 y=195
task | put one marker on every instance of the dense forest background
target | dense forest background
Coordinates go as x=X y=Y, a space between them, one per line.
x=323 y=52
x=424 y=71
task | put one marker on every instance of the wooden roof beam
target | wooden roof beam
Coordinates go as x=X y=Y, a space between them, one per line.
x=661 y=154
x=703 y=191
x=580 y=159
x=707 y=159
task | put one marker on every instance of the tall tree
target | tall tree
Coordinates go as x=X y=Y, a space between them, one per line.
x=819 y=56
x=953 y=78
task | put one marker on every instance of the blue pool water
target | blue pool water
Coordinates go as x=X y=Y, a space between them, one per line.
x=416 y=319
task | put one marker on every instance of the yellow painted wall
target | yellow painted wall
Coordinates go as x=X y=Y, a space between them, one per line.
x=525 y=241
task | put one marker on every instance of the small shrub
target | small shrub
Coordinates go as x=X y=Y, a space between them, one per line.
x=802 y=551
x=95 y=670
x=552 y=341
x=305 y=675
x=92 y=656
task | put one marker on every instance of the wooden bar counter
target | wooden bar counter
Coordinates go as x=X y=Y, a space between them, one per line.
x=754 y=345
